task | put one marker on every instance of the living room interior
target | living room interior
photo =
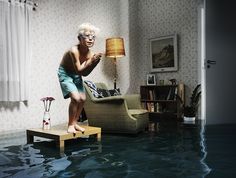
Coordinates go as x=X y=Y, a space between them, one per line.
x=54 y=27
x=188 y=150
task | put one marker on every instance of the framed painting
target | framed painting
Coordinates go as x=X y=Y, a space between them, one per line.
x=163 y=54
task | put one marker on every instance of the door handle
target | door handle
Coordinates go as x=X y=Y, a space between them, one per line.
x=209 y=62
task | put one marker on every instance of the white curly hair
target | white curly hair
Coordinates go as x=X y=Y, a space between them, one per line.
x=87 y=27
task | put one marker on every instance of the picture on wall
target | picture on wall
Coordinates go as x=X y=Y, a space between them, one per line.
x=151 y=79
x=163 y=54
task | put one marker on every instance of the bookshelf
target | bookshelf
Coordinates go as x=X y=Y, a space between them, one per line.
x=161 y=100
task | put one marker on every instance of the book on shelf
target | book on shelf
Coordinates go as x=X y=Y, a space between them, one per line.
x=172 y=93
x=150 y=107
x=151 y=95
x=169 y=93
x=158 y=107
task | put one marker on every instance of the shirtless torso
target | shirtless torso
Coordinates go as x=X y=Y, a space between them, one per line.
x=72 y=57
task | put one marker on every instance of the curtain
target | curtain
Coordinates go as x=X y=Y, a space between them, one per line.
x=15 y=50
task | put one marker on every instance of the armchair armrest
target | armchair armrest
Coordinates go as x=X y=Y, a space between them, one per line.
x=133 y=101
x=114 y=99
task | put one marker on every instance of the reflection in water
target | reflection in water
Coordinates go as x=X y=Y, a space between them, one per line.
x=28 y=162
x=41 y=159
x=167 y=150
x=206 y=169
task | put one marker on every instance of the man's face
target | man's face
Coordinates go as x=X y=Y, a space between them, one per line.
x=87 y=39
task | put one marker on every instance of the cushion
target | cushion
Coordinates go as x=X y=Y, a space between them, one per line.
x=103 y=92
x=93 y=89
x=100 y=92
x=115 y=92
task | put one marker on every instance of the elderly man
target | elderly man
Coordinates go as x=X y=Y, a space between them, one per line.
x=77 y=62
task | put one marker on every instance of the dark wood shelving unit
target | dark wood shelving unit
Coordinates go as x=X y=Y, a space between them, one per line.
x=162 y=100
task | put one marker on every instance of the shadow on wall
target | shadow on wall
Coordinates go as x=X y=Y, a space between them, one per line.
x=12 y=105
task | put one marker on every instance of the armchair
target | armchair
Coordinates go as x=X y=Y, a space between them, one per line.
x=115 y=114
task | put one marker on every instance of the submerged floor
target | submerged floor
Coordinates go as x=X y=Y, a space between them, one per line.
x=172 y=149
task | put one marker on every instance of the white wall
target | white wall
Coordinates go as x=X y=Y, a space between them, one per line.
x=54 y=28
x=123 y=66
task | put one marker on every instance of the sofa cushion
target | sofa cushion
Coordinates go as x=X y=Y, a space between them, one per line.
x=93 y=89
x=115 y=92
x=103 y=92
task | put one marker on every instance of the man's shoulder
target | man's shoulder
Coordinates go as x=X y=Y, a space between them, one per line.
x=74 y=49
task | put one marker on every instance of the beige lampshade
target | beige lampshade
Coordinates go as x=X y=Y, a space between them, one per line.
x=115 y=47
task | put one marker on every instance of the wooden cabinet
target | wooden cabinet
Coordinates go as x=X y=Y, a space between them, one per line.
x=162 y=99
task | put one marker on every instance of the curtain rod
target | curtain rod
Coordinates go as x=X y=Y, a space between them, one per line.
x=30 y=2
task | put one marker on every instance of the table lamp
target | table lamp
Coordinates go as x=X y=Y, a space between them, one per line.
x=115 y=49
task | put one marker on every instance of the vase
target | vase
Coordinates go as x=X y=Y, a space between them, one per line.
x=189 y=120
x=46 y=121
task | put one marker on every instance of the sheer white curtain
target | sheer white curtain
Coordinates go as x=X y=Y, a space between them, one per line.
x=15 y=51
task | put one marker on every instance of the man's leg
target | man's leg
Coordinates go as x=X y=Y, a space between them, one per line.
x=75 y=108
x=79 y=110
x=81 y=105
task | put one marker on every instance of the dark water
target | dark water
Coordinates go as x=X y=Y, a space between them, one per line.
x=172 y=150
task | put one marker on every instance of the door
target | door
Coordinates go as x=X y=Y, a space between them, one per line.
x=220 y=61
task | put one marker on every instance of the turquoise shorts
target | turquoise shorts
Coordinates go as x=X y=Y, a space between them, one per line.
x=69 y=82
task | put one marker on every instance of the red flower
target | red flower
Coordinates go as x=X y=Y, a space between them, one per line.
x=48 y=98
x=47 y=102
x=43 y=99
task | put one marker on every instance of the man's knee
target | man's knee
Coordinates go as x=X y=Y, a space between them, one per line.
x=78 y=99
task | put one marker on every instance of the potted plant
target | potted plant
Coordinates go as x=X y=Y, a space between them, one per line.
x=190 y=110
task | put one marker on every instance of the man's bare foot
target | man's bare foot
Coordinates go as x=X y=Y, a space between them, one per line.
x=71 y=129
x=77 y=127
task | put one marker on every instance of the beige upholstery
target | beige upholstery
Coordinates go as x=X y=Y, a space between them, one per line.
x=115 y=114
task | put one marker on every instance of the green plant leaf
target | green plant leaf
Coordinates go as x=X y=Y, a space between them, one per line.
x=195 y=95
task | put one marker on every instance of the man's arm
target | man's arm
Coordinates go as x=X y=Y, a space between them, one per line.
x=90 y=68
x=87 y=66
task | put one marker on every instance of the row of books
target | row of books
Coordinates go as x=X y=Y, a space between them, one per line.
x=151 y=107
x=167 y=95
x=157 y=107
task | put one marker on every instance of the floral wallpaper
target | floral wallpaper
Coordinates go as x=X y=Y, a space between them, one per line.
x=54 y=28
x=156 y=18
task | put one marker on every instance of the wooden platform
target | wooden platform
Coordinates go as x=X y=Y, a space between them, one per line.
x=59 y=134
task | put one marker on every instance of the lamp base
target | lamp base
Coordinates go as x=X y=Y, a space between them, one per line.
x=114 y=83
x=115 y=77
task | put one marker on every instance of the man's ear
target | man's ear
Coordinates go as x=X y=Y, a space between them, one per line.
x=79 y=37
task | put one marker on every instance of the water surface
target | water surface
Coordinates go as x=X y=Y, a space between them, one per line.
x=170 y=150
